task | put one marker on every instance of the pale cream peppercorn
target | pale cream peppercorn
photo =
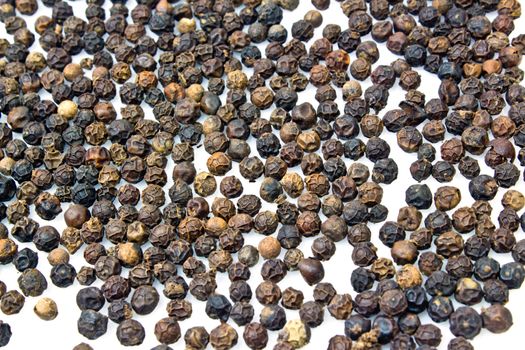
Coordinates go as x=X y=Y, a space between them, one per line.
x=352 y=89
x=72 y=71
x=187 y=25
x=58 y=256
x=46 y=309
x=67 y=109
x=6 y=165
x=296 y=333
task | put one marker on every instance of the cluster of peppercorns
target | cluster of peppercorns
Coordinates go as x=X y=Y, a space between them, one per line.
x=187 y=62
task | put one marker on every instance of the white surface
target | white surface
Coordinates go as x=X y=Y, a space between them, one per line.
x=29 y=332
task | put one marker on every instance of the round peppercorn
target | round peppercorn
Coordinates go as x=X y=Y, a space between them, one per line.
x=269 y=248
x=46 y=309
x=496 y=318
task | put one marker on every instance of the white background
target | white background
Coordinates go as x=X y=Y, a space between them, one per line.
x=29 y=332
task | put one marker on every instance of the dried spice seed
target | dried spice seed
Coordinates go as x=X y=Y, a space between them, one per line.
x=255 y=336
x=167 y=330
x=296 y=333
x=5 y=333
x=496 y=318
x=465 y=322
x=130 y=333
x=46 y=309
x=11 y=302
x=223 y=337
x=92 y=324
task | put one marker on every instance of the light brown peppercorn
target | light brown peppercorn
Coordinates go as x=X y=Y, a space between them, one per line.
x=129 y=254
x=269 y=247
x=404 y=252
x=383 y=268
x=58 y=256
x=513 y=199
x=447 y=197
x=341 y=306
x=205 y=184
x=72 y=71
x=186 y=25
x=408 y=276
x=292 y=184
x=46 y=309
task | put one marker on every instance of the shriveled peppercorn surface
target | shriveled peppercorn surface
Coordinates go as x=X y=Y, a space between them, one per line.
x=28 y=331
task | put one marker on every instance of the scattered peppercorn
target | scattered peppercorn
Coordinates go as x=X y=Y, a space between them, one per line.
x=46 y=309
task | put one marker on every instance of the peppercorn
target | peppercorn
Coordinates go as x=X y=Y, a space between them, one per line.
x=496 y=318
x=512 y=275
x=196 y=338
x=428 y=334
x=167 y=330
x=25 y=259
x=32 y=282
x=130 y=332
x=119 y=310
x=92 y=324
x=312 y=314
x=86 y=276
x=465 y=322
x=58 y=256
x=312 y=270
x=90 y=298
x=5 y=333
x=46 y=309
x=269 y=248
x=248 y=255
x=223 y=337
x=408 y=276
x=459 y=343
x=356 y=325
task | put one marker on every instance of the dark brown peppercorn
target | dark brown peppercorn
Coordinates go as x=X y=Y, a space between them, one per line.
x=223 y=337
x=312 y=270
x=167 y=330
x=255 y=336
x=130 y=333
